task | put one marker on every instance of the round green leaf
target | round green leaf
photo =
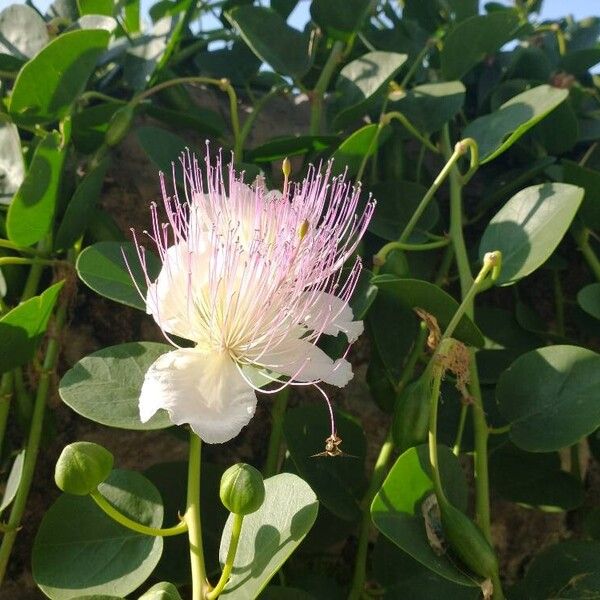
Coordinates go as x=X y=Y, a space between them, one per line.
x=414 y=293
x=339 y=18
x=339 y=482
x=353 y=150
x=12 y=167
x=48 y=84
x=529 y=227
x=285 y=49
x=589 y=299
x=549 y=396
x=470 y=41
x=105 y=386
x=362 y=80
x=496 y=132
x=80 y=209
x=162 y=591
x=102 y=267
x=162 y=147
x=428 y=107
x=396 y=510
x=269 y=535
x=22 y=328
x=589 y=180
x=534 y=480
x=31 y=212
x=79 y=550
x=23 y=32
x=557 y=571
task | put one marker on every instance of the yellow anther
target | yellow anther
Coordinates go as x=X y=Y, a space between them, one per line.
x=303 y=229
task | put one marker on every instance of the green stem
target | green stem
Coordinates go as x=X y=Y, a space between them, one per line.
x=274 y=450
x=200 y=584
x=582 y=237
x=381 y=256
x=416 y=64
x=35 y=274
x=122 y=519
x=12 y=246
x=449 y=169
x=33 y=441
x=464 y=409
x=6 y=392
x=481 y=435
x=236 y=530
x=318 y=93
x=433 y=451
x=410 y=127
x=18 y=260
x=379 y=473
x=469 y=289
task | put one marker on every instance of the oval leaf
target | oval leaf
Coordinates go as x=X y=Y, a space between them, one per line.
x=22 y=328
x=285 y=49
x=589 y=299
x=105 y=386
x=470 y=41
x=269 y=535
x=103 y=268
x=79 y=550
x=496 y=132
x=414 y=293
x=529 y=227
x=338 y=481
x=50 y=82
x=362 y=80
x=550 y=397
x=396 y=509
x=162 y=147
x=31 y=213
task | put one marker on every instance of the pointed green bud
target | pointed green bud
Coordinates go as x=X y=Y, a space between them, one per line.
x=118 y=126
x=242 y=489
x=82 y=467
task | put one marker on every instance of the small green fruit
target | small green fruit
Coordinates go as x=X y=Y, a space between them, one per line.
x=466 y=539
x=81 y=467
x=242 y=489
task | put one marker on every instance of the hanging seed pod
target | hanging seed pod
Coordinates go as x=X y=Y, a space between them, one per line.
x=466 y=539
x=411 y=417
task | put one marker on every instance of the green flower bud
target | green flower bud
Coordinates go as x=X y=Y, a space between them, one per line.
x=411 y=417
x=466 y=539
x=242 y=489
x=81 y=467
x=119 y=124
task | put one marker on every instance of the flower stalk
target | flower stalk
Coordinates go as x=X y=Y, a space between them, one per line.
x=236 y=530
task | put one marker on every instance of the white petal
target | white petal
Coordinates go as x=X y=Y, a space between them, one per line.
x=170 y=298
x=303 y=361
x=205 y=390
x=331 y=315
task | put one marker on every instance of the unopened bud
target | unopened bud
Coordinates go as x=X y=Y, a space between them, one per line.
x=242 y=489
x=82 y=467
